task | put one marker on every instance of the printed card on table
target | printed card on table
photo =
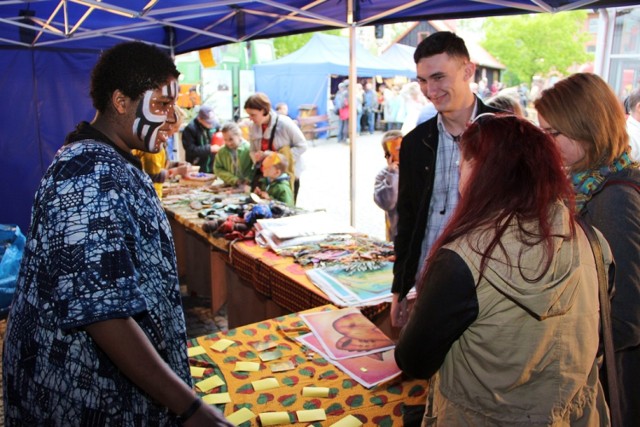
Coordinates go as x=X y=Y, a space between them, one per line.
x=315 y=391
x=265 y=384
x=221 y=345
x=369 y=370
x=274 y=418
x=247 y=367
x=346 y=333
x=348 y=421
x=261 y=345
x=196 y=371
x=209 y=383
x=287 y=365
x=310 y=415
x=195 y=351
x=268 y=356
x=217 y=398
x=241 y=416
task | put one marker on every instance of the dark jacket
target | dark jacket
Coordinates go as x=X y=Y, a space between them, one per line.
x=417 y=173
x=615 y=211
x=196 y=140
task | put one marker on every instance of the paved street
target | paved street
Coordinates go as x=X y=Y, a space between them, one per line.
x=325 y=181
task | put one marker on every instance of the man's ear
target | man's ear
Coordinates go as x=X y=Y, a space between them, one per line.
x=469 y=70
x=119 y=101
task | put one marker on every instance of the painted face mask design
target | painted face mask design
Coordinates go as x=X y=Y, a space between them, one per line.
x=149 y=119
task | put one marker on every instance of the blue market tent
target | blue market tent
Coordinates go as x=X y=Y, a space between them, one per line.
x=48 y=48
x=401 y=55
x=303 y=77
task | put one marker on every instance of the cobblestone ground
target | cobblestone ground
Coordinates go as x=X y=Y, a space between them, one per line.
x=199 y=318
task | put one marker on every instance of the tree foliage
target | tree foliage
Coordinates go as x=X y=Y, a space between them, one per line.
x=289 y=44
x=537 y=44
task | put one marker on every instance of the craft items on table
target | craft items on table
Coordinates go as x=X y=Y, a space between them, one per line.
x=199 y=176
x=349 y=286
x=301 y=385
x=279 y=233
x=225 y=211
x=342 y=249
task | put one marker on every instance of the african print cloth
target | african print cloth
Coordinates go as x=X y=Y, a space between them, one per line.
x=382 y=406
x=99 y=248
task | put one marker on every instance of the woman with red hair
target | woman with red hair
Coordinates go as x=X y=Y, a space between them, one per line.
x=507 y=311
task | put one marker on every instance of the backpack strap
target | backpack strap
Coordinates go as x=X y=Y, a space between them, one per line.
x=622 y=182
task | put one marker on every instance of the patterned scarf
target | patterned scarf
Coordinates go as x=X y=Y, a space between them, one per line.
x=587 y=183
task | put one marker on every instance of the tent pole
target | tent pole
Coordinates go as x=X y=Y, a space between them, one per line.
x=352 y=111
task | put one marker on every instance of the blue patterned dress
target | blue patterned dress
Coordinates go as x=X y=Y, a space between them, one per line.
x=99 y=248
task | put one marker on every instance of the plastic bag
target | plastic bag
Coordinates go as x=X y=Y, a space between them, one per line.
x=11 y=250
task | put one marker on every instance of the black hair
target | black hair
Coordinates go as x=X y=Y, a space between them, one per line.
x=131 y=67
x=441 y=42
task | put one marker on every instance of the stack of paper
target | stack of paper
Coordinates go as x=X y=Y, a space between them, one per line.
x=298 y=230
x=350 y=341
x=348 y=288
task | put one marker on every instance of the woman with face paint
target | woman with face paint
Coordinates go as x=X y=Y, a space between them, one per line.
x=587 y=123
x=271 y=132
x=156 y=164
x=96 y=333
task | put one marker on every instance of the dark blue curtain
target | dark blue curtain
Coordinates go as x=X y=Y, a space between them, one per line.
x=45 y=94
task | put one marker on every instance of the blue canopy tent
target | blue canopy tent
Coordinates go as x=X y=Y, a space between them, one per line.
x=303 y=77
x=401 y=55
x=48 y=48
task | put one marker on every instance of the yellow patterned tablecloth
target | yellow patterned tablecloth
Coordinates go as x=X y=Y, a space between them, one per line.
x=379 y=406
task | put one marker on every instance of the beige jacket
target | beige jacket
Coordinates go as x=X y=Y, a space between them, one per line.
x=529 y=359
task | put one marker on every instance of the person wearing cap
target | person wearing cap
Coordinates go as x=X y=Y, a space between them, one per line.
x=275 y=184
x=196 y=139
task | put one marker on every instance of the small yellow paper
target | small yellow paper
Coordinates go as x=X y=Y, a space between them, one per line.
x=265 y=384
x=216 y=398
x=247 y=366
x=241 y=416
x=273 y=418
x=310 y=415
x=315 y=391
x=196 y=371
x=221 y=345
x=348 y=421
x=194 y=351
x=209 y=383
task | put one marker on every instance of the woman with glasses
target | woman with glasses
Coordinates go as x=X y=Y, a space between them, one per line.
x=507 y=308
x=588 y=125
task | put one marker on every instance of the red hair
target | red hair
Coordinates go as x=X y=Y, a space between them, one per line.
x=517 y=174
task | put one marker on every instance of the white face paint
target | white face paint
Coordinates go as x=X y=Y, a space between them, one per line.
x=154 y=109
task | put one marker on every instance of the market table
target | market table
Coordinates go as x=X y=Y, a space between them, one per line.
x=201 y=257
x=255 y=282
x=382 y=405
x=278 y=279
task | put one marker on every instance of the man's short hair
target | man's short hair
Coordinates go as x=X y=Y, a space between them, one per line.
x=131 y=67
x=441 y=42
x=633 y=99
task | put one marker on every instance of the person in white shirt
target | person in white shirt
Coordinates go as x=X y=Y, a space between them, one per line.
x=633 y=123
